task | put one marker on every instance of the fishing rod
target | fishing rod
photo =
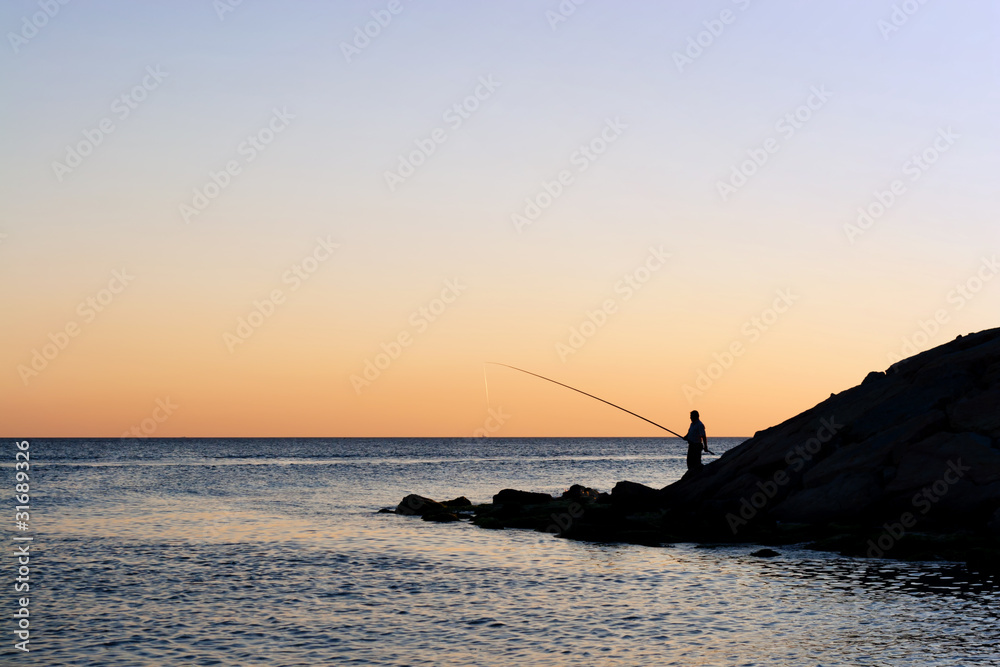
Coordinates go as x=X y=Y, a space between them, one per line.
x=580 y=391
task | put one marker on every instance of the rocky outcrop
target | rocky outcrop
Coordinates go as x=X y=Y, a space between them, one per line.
x=906 y=464
x=918 y=444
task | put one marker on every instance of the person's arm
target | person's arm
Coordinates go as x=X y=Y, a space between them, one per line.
x=704 y=439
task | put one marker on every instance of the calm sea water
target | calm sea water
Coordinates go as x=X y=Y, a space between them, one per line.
x=270 y=552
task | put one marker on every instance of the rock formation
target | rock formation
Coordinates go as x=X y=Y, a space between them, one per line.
x=906 y=464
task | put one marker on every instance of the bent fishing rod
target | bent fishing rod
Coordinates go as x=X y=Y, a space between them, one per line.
x=598 y=398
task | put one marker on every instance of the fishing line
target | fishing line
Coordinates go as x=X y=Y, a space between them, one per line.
x=579 y=391
x=487 y=385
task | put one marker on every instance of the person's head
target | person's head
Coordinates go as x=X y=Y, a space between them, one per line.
x=694 y=415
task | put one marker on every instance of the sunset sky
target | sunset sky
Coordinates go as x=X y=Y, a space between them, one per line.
x=218 y=217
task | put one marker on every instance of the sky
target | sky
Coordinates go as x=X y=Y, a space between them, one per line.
x=261 y=218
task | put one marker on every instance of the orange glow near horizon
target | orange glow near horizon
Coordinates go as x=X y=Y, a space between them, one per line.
x=578 y=218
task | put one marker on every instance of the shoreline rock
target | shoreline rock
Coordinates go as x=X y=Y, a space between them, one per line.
x=904 y=465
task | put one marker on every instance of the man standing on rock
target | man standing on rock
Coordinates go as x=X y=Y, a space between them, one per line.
x=697 y=441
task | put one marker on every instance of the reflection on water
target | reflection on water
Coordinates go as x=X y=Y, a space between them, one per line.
x=289 y=565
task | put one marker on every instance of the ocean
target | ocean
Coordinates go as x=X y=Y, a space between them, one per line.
x=267 y=551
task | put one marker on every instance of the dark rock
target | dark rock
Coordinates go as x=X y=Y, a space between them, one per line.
x=461 y=501
x=765 y=553
x=983 y=560
x=515 y=497
x=875 y=451
x=414 y=505
x=633 y=493
x=490 y=523
x=579 y=493
x=387 y=510
x=979 y=414
x=863 y=454
x=843 y=497
x=440 y=517
x=963 y=454
x=994 y=524
x=871 y=377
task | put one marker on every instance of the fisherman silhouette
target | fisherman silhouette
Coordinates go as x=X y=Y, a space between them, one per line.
x=697 y=442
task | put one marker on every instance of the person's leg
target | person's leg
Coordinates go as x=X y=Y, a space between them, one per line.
x=693 y=457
